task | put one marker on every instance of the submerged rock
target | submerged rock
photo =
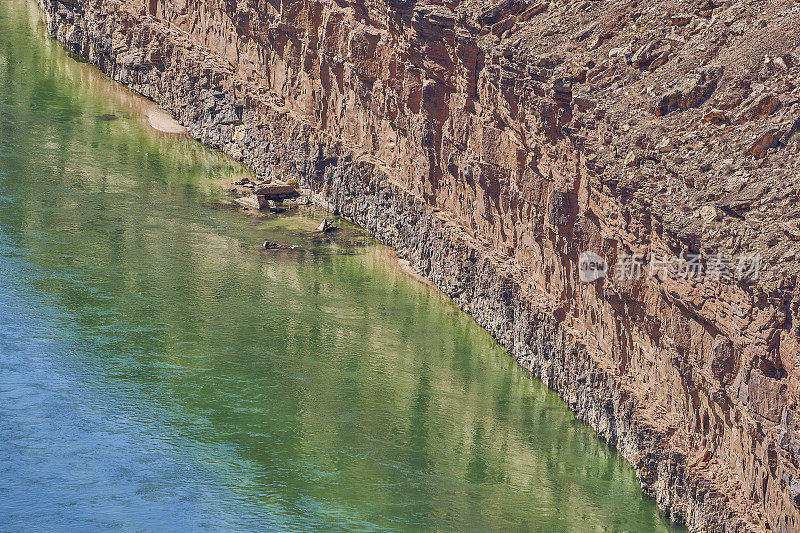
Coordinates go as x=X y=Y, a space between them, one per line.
x=326 y=226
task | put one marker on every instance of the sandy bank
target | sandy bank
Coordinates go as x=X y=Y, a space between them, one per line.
x=160 y=120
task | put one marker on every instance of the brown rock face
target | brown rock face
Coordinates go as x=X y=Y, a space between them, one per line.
x=493 y=143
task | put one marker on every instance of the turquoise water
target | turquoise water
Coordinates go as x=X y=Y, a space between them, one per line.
x=161 y=372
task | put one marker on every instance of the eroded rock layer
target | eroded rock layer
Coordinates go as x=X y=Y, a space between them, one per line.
x=492 y=143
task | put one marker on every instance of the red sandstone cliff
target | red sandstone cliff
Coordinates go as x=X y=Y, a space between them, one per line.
x=516 y=135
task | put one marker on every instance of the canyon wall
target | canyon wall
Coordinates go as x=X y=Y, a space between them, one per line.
x=492 y=143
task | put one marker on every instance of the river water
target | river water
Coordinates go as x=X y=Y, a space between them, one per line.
x=159 y=371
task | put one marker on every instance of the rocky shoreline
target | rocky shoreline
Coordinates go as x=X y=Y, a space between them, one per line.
x=726 y=481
